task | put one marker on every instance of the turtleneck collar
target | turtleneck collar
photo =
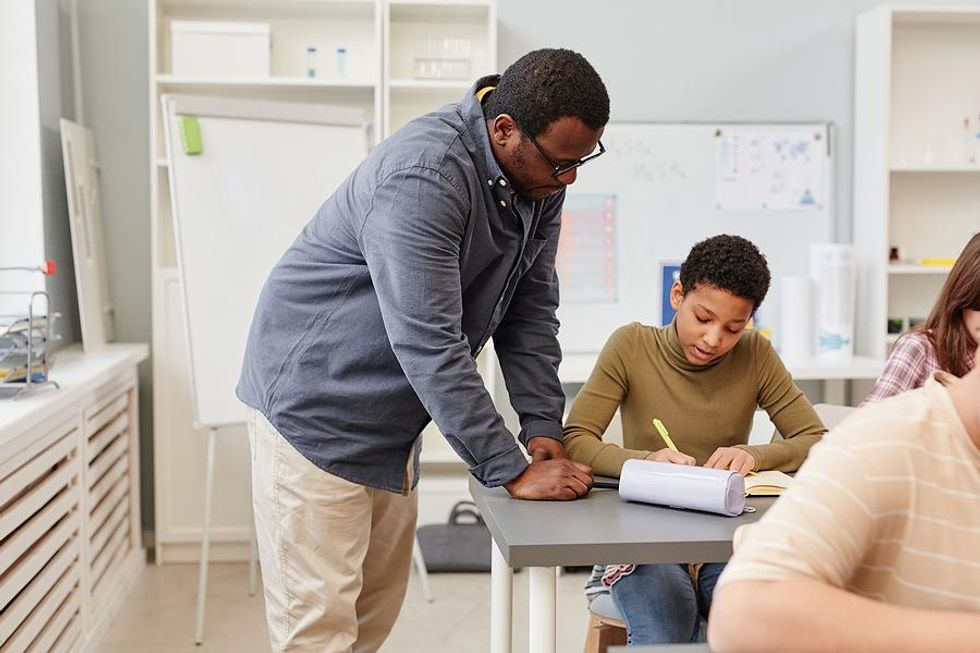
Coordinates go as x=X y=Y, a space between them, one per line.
x=676 y=352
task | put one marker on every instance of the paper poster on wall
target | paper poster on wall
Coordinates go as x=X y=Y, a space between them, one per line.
x=587 y=260
x=780 y=170
x=669 y=273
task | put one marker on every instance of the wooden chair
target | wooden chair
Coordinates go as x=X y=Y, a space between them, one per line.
x=606 y=625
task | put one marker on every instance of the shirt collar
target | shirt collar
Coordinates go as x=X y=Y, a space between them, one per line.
x=471 y=110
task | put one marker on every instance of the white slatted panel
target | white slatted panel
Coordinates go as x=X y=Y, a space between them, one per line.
x=40 y=544
x=108 y=434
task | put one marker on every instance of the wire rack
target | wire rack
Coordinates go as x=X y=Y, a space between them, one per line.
x=25 y=352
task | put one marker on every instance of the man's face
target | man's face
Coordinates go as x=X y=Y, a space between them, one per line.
x=710 y=321
x=565 y=141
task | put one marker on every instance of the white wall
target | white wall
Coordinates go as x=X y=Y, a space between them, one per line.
x=21 y=228
x=711 y=60
x=115 y=94
x=33 y=209
x=698 y=60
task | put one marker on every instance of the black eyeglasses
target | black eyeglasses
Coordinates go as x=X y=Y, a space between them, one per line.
x=560 y=169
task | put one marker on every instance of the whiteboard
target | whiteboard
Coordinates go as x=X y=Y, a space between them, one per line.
x=662 y=187
x=95 y=310
x=263 y=170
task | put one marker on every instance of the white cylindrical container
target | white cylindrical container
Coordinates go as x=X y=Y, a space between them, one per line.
x=341 y=63
x=796 y=319
x=832 y=270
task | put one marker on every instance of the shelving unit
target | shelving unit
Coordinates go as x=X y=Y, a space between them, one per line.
x=406 y=23
x=916 y=182
x=380 y=37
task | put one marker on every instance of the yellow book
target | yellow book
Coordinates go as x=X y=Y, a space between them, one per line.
x=766 y=484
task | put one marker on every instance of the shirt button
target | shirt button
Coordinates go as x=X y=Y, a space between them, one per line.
x=503 y=182
x=503 y=203
x=489 y=182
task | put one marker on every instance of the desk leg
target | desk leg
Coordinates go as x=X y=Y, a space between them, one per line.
x=501 y=602
x=834 y=391
x=542 y=614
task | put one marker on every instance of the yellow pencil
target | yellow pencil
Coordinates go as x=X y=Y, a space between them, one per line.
x=662 y=430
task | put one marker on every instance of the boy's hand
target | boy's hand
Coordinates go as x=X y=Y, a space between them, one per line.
x=733 y=458
x=560 y=479
x=670 y=456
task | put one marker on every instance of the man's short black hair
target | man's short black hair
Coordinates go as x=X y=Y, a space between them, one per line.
x=545 y=85
x=729 y=263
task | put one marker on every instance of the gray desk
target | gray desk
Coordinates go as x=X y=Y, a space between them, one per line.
x=544 y=535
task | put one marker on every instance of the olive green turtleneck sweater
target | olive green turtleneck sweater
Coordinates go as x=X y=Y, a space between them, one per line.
x=642 y=371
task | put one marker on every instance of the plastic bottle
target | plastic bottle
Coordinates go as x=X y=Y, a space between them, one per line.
x=341 y=63
x=311 y=61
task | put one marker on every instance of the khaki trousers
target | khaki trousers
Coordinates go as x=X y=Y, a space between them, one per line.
x=335 y=555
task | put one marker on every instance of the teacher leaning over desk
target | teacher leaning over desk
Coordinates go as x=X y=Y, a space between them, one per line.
x=370 y=324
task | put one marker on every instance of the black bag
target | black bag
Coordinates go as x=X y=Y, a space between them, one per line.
x=459 y=545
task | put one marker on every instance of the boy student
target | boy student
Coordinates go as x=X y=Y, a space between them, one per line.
x=876 y=546
x=703 y=376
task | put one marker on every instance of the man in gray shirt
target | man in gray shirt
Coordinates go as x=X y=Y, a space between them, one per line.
x=370 y=324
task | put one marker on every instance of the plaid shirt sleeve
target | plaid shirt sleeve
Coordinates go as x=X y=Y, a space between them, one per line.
x=909 y=365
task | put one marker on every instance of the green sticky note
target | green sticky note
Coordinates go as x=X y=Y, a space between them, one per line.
x=190 y=135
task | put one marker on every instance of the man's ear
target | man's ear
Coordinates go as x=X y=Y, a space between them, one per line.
x=676 y=295
x=502 y=129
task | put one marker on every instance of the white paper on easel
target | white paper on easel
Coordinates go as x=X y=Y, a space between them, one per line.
x=796 y=319
x=719 y=491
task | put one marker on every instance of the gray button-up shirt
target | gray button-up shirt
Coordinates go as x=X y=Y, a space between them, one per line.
x=369 y=325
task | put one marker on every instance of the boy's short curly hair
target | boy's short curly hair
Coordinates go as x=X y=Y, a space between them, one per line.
x=729 y=263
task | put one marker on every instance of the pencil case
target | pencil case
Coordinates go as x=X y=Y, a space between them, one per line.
x=720 y=491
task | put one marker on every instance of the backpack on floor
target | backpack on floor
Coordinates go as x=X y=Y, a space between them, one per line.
x=461 y=545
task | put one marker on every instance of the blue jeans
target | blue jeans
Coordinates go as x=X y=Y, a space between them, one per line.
x=661 y=605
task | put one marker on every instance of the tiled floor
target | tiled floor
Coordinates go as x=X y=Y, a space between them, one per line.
x=158 y=616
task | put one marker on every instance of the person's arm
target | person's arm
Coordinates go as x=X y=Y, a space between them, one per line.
x=809 y=616
x=411 y=242
x=906 y=368
x=526 y=340
x=785 y=586
x=790 y=411
x=596 y=403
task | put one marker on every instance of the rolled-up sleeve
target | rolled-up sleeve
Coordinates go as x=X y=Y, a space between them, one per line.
x=526 y=341
x=411 y=242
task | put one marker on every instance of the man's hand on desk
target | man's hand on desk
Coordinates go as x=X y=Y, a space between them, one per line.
x=551 y=475
x=545 y=448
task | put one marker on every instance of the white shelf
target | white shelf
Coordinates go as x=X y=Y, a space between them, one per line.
x=913 y=268
x=429 y=84
x=265 y=82
x=575 y=368
x=439 y=10
x=272 y=6
x=957 y=168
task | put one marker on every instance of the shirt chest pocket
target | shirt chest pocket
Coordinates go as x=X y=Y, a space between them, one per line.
x=531 y=253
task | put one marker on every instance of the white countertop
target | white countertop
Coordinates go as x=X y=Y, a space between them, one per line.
x=576 y=368
x=77 y=373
